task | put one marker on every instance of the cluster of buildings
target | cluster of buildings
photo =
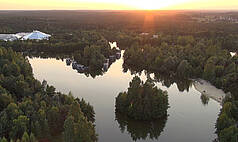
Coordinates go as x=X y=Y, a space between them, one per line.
x=148 y=34
x=217 y=19
x=230 y=19
x=35 y=35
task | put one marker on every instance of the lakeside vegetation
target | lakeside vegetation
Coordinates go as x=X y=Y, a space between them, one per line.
x=226 y=125
x=33 y=111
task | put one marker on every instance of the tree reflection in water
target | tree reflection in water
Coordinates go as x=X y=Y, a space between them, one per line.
x=166 y=79
x=92 y=71
x=141 y=129
x=204 y=99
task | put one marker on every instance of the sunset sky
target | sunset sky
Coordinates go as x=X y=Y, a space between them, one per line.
x=117 y=4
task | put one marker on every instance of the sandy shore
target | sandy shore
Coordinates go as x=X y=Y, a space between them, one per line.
x=207 y=89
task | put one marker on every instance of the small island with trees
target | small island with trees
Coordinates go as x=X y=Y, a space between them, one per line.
x=142 y=101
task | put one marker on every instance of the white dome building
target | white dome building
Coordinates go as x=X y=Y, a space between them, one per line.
x=36 y=35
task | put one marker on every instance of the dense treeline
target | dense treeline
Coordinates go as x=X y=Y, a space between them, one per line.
x=31 y=111
x=142 y=101
x=60 y=43
x=169 y=22
x=227 y=122
x=126 y=39
x=121 y=26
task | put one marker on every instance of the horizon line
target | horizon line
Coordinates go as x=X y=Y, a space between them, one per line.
x=120 y=10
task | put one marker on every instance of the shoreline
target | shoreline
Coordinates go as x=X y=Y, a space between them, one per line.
x=209 y=90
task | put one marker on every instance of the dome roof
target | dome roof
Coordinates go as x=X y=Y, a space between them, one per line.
x=36 y=35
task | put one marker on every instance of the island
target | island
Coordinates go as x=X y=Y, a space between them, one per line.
x=142 y=101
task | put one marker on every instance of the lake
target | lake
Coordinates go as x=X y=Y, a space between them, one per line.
x=189 y=119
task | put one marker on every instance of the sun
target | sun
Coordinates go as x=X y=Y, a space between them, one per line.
x=157 y=4
x=150 y=5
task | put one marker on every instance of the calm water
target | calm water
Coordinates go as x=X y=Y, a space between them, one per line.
x=189 y=119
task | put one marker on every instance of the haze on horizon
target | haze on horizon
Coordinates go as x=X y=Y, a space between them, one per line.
x=119 y=5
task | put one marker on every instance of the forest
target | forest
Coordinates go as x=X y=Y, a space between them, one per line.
x=33 y=111
x=182 y=49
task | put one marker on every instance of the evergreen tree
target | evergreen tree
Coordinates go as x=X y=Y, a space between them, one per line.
x=3 y=139
x=229 y=134
x=25 y=137
x=69 y=129
x=37 y=129
x=32 y=138
x=20 y=125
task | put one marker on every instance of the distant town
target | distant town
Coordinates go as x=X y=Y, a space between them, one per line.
x=217 y=18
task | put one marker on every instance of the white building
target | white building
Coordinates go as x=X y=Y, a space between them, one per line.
x=155 y=36
x=20 y=35
x=8 y=37
x=144 y=34
x=36 y=35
